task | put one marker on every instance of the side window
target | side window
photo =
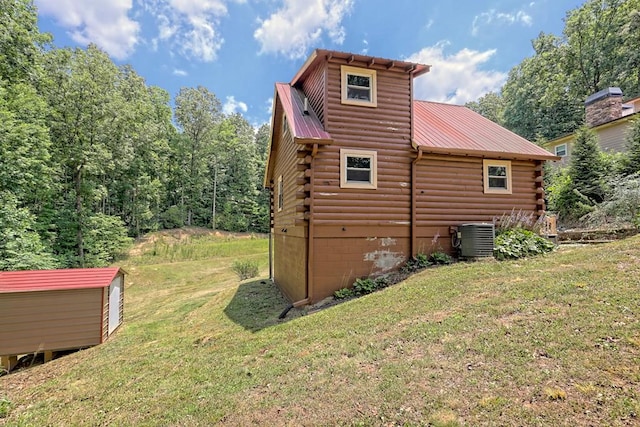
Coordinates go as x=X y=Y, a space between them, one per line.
x=561 y=150
x=497 y=176
x=280 y=194
x=358 y=169
x=358 y=86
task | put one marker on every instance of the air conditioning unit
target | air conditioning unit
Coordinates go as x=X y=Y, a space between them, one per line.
x=476 y=240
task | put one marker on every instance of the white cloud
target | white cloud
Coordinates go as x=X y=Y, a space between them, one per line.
x=492 y=16
x=105 y=23
x=179 y=72
x=455 y=78
x=188 y=26
x=232 y=106
x=429 y=24
x=300 y=24
x=269 y=105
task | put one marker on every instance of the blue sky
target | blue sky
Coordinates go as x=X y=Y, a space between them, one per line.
x=238 y=49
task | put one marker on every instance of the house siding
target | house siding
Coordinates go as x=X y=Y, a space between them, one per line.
x=289 y=226
x=613 y=139
x=450 y=192
x=359 y=233
x=50 y=320
x=314 y=88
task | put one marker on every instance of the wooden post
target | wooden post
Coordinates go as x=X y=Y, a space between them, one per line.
x=8 y=362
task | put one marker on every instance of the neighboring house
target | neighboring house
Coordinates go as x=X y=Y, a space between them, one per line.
x=363 y=177
x=608 y=116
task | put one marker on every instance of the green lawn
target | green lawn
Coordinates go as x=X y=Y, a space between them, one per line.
x=553 y=340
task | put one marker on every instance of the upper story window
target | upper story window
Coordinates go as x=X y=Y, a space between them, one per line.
x=561 y=150
x=358 y=169
x=358 y=86
x=497 y=176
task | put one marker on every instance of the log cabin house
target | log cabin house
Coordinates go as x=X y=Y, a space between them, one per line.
x=362 y=177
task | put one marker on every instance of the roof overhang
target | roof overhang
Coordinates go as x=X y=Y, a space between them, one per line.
x=482 y=154
x=319 y=55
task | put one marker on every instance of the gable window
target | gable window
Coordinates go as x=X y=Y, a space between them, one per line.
x=497 y=176
x=561 y=150
x=280 y=194
x=358 y=169
x=358 y=86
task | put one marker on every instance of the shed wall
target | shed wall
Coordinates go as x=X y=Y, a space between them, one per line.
x=50 y=320
x=450 y=192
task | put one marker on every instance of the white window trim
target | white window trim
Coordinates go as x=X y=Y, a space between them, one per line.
x=280 y=194
x=555 y=150
x=373 y=183
x=485 y=172
x=345 y=70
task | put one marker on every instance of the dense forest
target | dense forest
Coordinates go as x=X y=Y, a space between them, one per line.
x=91 y=156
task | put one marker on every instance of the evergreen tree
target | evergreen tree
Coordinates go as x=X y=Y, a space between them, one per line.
x=633 y=145
x=587 y=167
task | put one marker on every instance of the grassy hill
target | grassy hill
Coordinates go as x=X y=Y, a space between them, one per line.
x=553 y=340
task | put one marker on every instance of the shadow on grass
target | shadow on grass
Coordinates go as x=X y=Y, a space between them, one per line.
x=257 y=305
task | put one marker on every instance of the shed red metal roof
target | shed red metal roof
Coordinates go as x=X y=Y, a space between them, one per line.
x=50 y=280
x=303 y=126
x=454 y=129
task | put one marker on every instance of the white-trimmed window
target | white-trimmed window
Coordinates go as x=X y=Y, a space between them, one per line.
x=358 y=86
x=561 y=150
x=358 y=169
x=497 y=176
x=280 y=194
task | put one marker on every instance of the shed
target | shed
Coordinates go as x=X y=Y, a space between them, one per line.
x=53 y=310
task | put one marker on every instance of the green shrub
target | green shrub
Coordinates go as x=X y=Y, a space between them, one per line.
x=5 y=405
x=344 y=293
x=520 y=243
x=420 y=262
x=245 y=269
x=440 y=258
x=367 y=285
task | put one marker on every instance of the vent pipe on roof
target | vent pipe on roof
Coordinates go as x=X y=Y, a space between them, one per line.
x=306 y=106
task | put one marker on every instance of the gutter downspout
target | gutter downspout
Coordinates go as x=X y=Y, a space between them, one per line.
x=414 y=188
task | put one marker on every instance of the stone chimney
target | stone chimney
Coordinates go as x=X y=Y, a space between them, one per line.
x=604 y=106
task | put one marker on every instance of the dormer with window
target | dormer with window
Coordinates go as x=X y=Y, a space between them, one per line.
x=358 y=86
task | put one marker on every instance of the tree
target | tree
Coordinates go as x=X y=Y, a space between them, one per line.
x=601 y=45
x=587 y=167
x=83 y=103
x=238 y=186
x=20 y=244
x=491 y=106
x=537 y=103
x=198 y=115
x=633 y=146
x=21 y=42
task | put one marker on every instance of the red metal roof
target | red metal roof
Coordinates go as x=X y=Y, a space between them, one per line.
x=454 y=129
x=303 y=126
x=49 y=280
